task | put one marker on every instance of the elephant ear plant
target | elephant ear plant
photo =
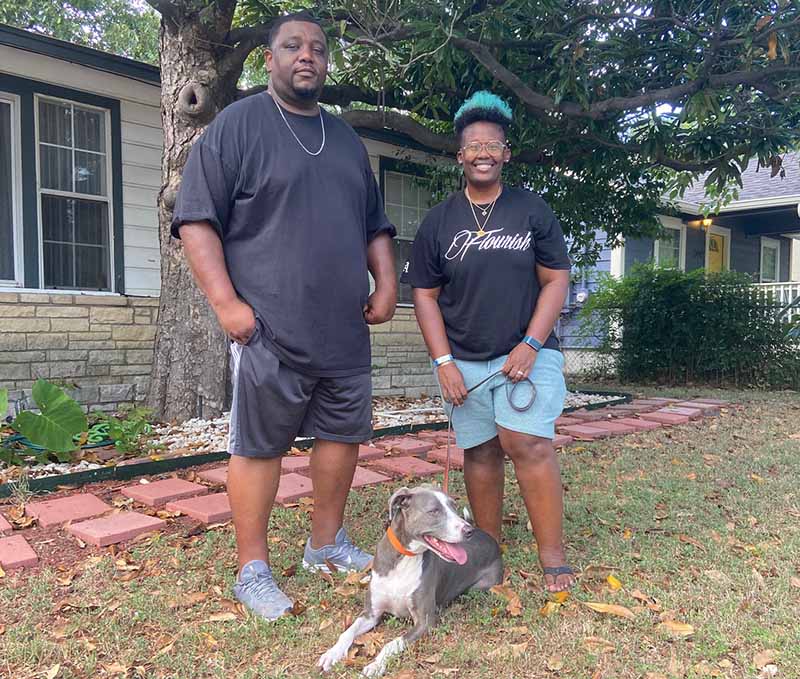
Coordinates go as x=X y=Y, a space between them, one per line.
x=57 y=424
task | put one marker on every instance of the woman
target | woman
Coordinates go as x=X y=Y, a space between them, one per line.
x=490 y=272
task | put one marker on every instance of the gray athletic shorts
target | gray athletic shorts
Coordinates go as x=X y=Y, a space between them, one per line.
x=272 y=404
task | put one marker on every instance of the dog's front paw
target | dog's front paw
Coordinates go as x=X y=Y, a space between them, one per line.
x=374 y=669
x=328 y=659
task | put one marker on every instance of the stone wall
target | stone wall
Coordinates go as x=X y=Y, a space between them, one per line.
x=100 y=346
x=400 y=362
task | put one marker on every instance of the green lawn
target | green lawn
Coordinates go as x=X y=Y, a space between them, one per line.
x=700 y=524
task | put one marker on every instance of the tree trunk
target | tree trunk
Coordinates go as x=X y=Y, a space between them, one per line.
x=189 y=372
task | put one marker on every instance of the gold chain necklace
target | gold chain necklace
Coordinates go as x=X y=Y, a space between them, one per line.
x=486 y=212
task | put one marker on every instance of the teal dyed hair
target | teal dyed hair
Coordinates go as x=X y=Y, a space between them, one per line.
x=484 y=102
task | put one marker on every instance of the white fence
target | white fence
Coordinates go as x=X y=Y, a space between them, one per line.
x=784 y=294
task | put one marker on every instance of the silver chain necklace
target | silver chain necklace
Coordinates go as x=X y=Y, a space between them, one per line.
x=302 y=145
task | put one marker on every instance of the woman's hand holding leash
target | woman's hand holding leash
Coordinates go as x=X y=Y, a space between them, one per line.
x=519 y=363
x=452 y=382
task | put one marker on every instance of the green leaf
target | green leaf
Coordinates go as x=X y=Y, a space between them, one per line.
x=10 y=457
x=61 y=418
x=3 y=403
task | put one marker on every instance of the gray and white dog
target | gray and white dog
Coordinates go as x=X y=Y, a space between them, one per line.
x=428 y=556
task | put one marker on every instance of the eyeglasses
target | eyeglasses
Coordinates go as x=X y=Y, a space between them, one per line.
x=494 y=148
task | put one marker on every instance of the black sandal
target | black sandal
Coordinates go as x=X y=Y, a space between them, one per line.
x=555 y=571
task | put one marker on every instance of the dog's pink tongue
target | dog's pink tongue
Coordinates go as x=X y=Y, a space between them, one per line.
x=456 y=552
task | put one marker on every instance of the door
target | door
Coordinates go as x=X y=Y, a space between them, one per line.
x=718 y=249
x=716 y=253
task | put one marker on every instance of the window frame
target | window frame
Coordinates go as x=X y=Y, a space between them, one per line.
x=402 y=167
x=16 y=191
x=673 y=224
x=775 y=244
x=26 y=89
x=108 y=198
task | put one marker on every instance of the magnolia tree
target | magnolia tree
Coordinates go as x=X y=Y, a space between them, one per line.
x=617 y=105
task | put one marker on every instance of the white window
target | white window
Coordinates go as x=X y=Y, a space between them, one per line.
x=407 y=198
x=75 y=212
x=770 y=260
x=669 y=251
x=10 y=192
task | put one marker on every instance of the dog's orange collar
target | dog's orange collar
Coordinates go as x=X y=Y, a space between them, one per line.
x=395 y=542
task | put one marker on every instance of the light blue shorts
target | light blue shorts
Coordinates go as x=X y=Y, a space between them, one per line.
x=476 y=421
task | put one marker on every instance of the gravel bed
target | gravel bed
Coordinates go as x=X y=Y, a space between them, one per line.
x=197 y=436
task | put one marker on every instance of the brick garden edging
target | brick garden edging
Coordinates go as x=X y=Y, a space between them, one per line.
x=128 y=469
x=91 y=520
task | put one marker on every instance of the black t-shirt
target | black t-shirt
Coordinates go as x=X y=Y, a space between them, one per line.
x=488 y=284
x=294 y=227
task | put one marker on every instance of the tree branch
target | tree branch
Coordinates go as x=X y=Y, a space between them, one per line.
x=165 y=8
x=538 y=103
x=391 y=120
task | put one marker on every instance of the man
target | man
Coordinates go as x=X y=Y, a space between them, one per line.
x=281 y=218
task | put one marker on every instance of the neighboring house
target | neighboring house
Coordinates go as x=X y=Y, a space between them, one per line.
x=80 y=158
x=757 y=234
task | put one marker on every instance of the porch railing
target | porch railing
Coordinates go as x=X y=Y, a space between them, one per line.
x=786 y=295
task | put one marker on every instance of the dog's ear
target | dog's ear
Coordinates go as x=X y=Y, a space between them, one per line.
x=399 y=500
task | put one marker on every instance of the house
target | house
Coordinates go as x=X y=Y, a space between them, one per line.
x=80 y=159
x=757 y=234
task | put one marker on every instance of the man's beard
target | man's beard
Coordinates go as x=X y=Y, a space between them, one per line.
x=307 y=92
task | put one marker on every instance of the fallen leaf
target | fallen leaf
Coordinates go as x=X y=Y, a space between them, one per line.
x=115 y=668
x=298 y=609
x=598 y=645
x=597 y=572
x=692 y=541
x=166 y=648
x=613 y=583
x=221 y=617
x=559 y=597
x=763 y=658
x=52 y=673
x=555 y=663
x=655 y=675
x=758 y=479
x=189 y=600
x=795 y=582
x=2 y=630
x=610 y=609
x=679 y=629
x=433 y=659
x=768 y=671
x=641 y=596
x=549 y=608
x=514 y=607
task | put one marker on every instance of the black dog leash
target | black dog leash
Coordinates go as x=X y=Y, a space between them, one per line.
x=509 y=395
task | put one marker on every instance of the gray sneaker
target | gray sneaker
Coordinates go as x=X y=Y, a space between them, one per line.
x=258 y=591
x=343 y=554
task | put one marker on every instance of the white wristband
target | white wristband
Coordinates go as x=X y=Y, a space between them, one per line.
x=447 y=358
